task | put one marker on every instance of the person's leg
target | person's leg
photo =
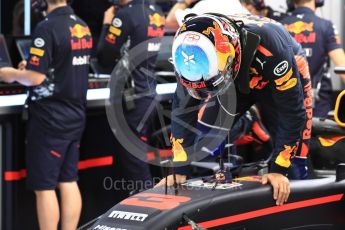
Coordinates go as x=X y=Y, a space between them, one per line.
x=70 y=205
x=43 y=162
x=70 y=201
x=47 y=209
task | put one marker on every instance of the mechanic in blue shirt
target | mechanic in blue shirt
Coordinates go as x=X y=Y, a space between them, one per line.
x=259 y=8
x=210 y=50
x=321 y=42
x=135 y=22
x=57 y=74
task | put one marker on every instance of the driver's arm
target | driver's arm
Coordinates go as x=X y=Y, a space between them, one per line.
x=183 y=133
x=288 y=97
x=286 y=88
x=183 y=126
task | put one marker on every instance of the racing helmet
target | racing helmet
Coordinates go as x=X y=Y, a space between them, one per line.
x=206 y=54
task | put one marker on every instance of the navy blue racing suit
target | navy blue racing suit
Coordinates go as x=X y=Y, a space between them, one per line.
x=318 y=37
x=279 y=84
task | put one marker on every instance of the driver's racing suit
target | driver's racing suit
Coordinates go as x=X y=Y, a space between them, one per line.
x=279 y=84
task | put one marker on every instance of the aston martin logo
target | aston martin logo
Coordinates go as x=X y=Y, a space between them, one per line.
x=188 y=59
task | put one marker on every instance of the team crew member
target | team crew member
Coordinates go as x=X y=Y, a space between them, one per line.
x=321 y=43
x=278 y=80
x=135 y=22
x=57 y=73
x=259 y=8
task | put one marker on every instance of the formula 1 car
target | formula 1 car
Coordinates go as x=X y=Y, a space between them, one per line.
x=241 y=203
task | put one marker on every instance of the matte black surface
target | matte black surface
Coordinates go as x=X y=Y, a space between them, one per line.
x=251 y=197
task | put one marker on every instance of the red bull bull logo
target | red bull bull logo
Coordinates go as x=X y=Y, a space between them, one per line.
x=308 y=104
x=110 y=38
x=301 y=38
x=180 y=154
x=156 y=27
x=254 y=82
x=257 y=83
x=284 y=156
x=299 y=27
x=34 y=60
x=79 y=36
x=224 y=48
x=157 y=20
x=79 y=31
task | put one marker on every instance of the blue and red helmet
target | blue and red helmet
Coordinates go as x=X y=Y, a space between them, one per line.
x=206 y=54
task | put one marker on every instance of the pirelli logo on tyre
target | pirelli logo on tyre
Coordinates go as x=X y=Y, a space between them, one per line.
x=281 y=68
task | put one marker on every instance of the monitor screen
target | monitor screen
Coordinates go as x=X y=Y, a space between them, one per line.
x=24 y=45
x=5 y=60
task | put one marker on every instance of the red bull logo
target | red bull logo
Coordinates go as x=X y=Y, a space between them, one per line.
x=303 y=66
x=156 y=20
x=254 y=82
x=180 y=154
x=79 y=31
x=299 y=27
x=224 y=48
x=79 y=34
x=110 y=38
x=157 y=23
x=193 y=85
x=284 y=156
x=301 y=38
x=34 y=60
x=257 y=83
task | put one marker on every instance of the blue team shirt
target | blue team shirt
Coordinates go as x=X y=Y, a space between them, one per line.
x=318 y=37
x=61 y=46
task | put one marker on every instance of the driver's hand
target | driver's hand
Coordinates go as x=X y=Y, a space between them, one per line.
x=280 y=184
x=109 y=15
x=180 y=179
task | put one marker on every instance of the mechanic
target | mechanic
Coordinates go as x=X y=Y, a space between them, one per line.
x=276 y=76
x=136 y=22
x=57 y=74
x=319 y=38
x=184 y=7
x=259 y=8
